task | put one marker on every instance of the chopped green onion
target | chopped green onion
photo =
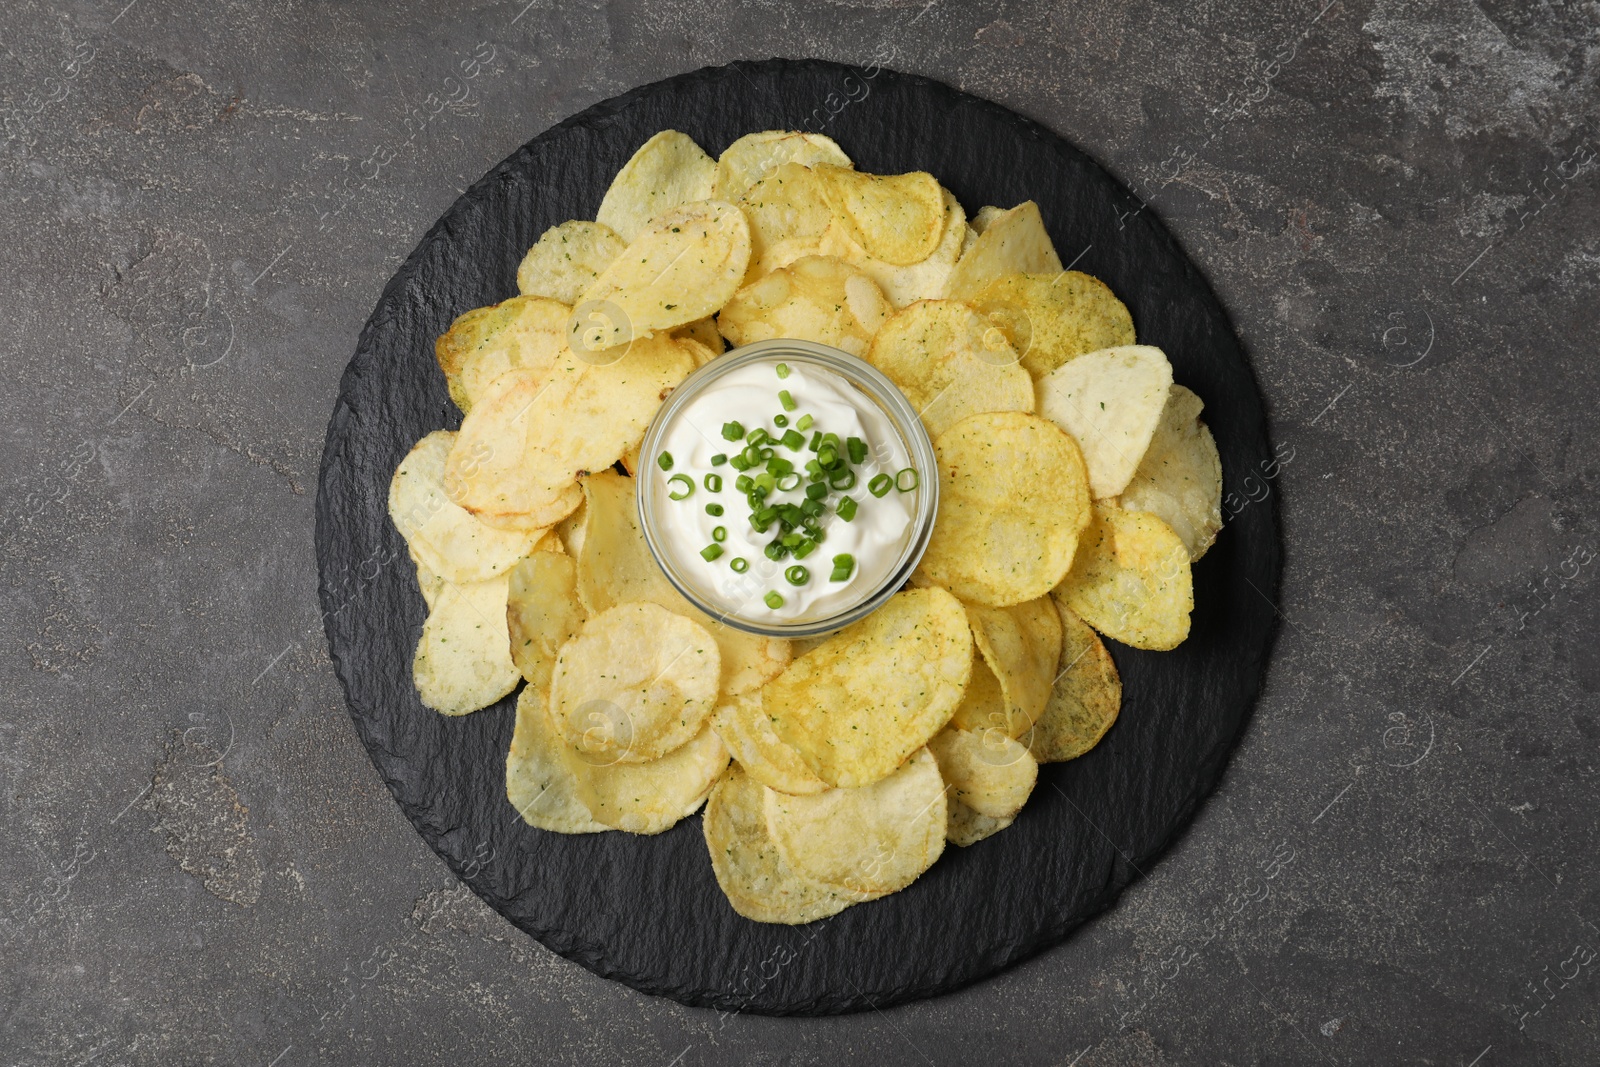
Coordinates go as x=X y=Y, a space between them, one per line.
x=780 y=421
x=739 y=564
x=816 y=490
x=776 y=550
x=764 y=453
x=719 y=459
x=710 y=552
x=714 y=510
x=744 y=483
x=812 y=508
x=906 y=479
x=793 y=440
x=816 y=441
x=788 y=481
x=797 y=575
x=732 y=431
x=783 y=370
x=719 y=533
x=766 y=482
x=687 y=487
x=773 y=600
x=757 y=437
x=786 y=400
x=714 y=483
x=827 y=457
x=880 y=484
x=804 y=423
x=664 y=461
x=846 y=509
x=844 y=565
x=739 y=463
x=764 y=516
x=842 y=479
x=857 y=449
x=805 y=549
x=778 y=466
x=791 y=540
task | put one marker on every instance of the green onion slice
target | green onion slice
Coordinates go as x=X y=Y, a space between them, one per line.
x=906 y=479
x=664 y=461
x=773 y=600
x=687 y=484
x=880 y=484
x=797 y=575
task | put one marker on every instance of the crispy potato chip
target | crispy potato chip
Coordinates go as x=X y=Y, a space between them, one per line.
x=755 y=155
x=1013 y=496
x=897 y=218
x=986 y=214
x=683 y=266
x=635 y=683
x=570 y=529
x=1020 y=646
x=540 y=782
x=788 y=215
x=950 y=363
x=668 y=170
x=542 y=613
x=615 y=565
x=647 y=798
x=463 y=660
x=966 y=827
x=525 y=332
x=704 y=333
x=872 y=694
x=1131 y=580
x=1009 y=242
x=747 y=733
x=1180 y=478
x=429 y=584
x=1110 y=402
x=815 y=298
x=750 y=870
x=903 y=285
x=988 y=772
x=1052 y=318
x=1085 y=699
x=875 y=839
x=567 y=259
x=983 y=705
x=541 y=518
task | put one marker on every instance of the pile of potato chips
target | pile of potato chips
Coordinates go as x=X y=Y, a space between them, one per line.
x=1077 y=485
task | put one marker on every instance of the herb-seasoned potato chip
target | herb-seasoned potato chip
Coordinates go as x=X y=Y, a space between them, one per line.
x=702 y=332
x=647 y=798
x=966 y=827
x=569 y=531
x=1013 y=496
x=746 y=732
x=897 y=218
x=988 y=772
x=1020 y=646
x=539 y=518
x=429 y=584
x=635 y=683
x=669 y=169
x=903 y=285
x=1085 y=698
x=875 y=839
x=526 y=332
x=755 y=155
x=748 y=866
x=567 y=259
x=983 y=705
x=788 y=215
x=1051 y=318
x=1009 y=242
x=1180 y=478
x=463 y=660
x=872 y=694
x=1110 y=402
x=950 y=363
x=683 y=266
x=442 y=535
x=615 y=565
x=540 y=782
x=815 y=298
x=1131 y=580
x=542 y=613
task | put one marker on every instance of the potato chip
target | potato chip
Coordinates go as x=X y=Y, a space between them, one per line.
x=704 y=333
x=567 y=259
x=897 y=218
x=875 y=839
x=635 y=683
x=950 y=364
x=526 y=332
x=668 y=170
x=542 y=613
x=983 y=705
x=966 y=827
x=788 y=214
x=683 y=266
x=463 y=660
x=749 y=868
x=445 y=537
x=1131 y=580
x=986 y=214
x=429 y=584
x=1180 y=478
x=903 y=285
x=1085 y=698
x=1009 y=242
x=540 y=782
x=647 y=798
x=815 y=298
x=1013 y=496
x=1020 y=646
x=615 y=565
x=857 y=706
x=747 y=733
x=1111 y=403
x=540 y=518
x=988 y=772
x=570 y=529
x=755 y=155
x=1052 y=318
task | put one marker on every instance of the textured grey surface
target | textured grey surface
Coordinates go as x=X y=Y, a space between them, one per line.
x=202 y=203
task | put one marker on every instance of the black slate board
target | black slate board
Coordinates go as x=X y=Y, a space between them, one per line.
x=647 y=911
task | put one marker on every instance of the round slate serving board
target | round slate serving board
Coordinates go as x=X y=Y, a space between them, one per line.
x=646 y=910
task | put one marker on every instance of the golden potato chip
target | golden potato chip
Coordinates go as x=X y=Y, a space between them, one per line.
x=445 y=537
x=1180 y=478
x=647 y=798
x=567 y=259
x=542 y=613
x=950 y=364
x=1013 y=496
x=966 y=827
x=988 y=772
x=615 y=565
x=1051 y=318
x=570 y=529
x=872 y=694
x=748 y=866
x=788 y=215
x=755 y=155
x=683 y=266
x=815 y=298
x=429 y=584
x=704 y=333
x=748 y=736
x=874 y=839
x=635 y=683
x=1020 y=646
x=540 y=518
x=668 y=170
x=983 y=705
x=1110 y=402
x=463 y=660
x=525 y=332
x=1009 y=242
x=986 y=214
x=897 y=218
x=1131 y=580
x=540 y=782
x=903 y=285
x=1085 y=698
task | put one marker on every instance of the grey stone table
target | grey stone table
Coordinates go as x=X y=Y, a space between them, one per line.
x=1396 y=202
